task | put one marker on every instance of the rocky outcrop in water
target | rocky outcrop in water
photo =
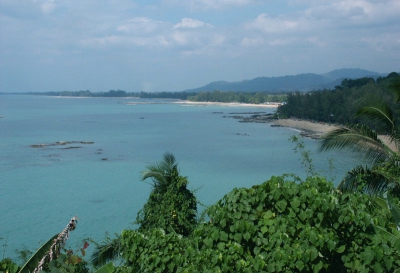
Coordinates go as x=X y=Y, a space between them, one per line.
x=62 y=143
x=259 y=117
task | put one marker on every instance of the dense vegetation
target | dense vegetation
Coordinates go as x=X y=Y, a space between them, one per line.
x=281 y=225
x=241 y=97
x=215 y=96
x=340 y=104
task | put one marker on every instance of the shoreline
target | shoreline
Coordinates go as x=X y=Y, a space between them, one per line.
x=207 y=103
x=316 y=128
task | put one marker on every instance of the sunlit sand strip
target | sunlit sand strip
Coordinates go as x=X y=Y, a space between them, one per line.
x=316 y=127
x=200 y=103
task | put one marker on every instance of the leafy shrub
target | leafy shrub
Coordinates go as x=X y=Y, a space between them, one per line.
x=281 y=225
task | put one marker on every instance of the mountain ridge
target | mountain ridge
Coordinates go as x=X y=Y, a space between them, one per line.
x=288 y=83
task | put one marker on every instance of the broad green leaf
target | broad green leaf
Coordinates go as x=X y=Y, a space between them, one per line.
x=33 y=261
x=223 y=236
x=380 y=201
x=395 y=210
x=341 y=249
x=295 y=203
x=281 y=205
x=395 y=240
x=223 y=222
x=368 y=255
x=313 y=254
x=108 y=268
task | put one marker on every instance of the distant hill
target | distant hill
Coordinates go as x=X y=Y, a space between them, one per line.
x=300 y=82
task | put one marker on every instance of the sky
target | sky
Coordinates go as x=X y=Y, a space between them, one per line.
x=174 y=45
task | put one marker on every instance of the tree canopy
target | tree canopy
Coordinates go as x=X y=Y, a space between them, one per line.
x=341 y=104
x=284 y=224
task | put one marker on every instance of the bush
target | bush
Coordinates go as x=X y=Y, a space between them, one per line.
x=281 y=225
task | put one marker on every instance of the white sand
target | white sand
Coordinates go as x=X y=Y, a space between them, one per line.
x=320 y=128
x=201 y=103
x=316 y=127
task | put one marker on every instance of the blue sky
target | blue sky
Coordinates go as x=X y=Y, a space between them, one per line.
x=173 y=45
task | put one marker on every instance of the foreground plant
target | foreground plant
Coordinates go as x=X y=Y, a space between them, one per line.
x=383 y=175
x=171 y=207
x=50 y=251
x=280 y=225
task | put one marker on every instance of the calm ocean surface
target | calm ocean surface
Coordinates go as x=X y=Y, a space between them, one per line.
x=42 y=188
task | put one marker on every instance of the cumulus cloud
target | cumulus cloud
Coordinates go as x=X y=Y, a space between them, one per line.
x=354 y=11
x=191 y=23
x=115 y=40
x=212 y=4
x=234 y=32
x=269 y=24
x=141 y=24
x=248 y=42
x=48 y=6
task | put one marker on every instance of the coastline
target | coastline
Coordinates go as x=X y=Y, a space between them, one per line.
x=206 y=103
x=316 y=128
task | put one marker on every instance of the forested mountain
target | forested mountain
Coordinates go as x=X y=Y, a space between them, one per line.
x=339 y=105
x=301 y=82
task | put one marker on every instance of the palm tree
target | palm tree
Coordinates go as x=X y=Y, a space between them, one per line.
x=383 y=174
x=171 y=206
x=161 y=173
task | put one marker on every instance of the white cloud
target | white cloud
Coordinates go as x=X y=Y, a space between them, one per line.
x=124 y=41
x=282 y=42
x=48 y=6
x=359 y=12
x=246 y=41
x=191 y=23
x=141 y=24
x=277 y=25
x=238 y=34
x=212 y=4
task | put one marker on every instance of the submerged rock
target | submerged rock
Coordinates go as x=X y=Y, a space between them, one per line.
x=62 y=143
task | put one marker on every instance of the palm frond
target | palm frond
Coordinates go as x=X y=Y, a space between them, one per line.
x=365 y=180
x=106 y=252
x=154 y=172
x=161 y=173
x=169 y=161
x=381 y=113
x=357 y=138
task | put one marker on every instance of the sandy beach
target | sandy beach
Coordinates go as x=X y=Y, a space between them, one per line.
x=317 y=128
x=205 y=103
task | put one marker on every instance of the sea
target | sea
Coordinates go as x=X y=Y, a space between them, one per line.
x=62 y=156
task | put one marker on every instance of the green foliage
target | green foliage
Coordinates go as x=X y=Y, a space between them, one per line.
x=68 y=263
x=105 y=252
x=305 y=155
x=7 y=265
x=341 y=104
x=277 y=226
x=171 y=206
x=383 y=175
x=108 y=268
x=242 y=97
x=34 y=260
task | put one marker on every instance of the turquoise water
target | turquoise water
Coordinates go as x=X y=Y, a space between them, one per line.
x=42 y=188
